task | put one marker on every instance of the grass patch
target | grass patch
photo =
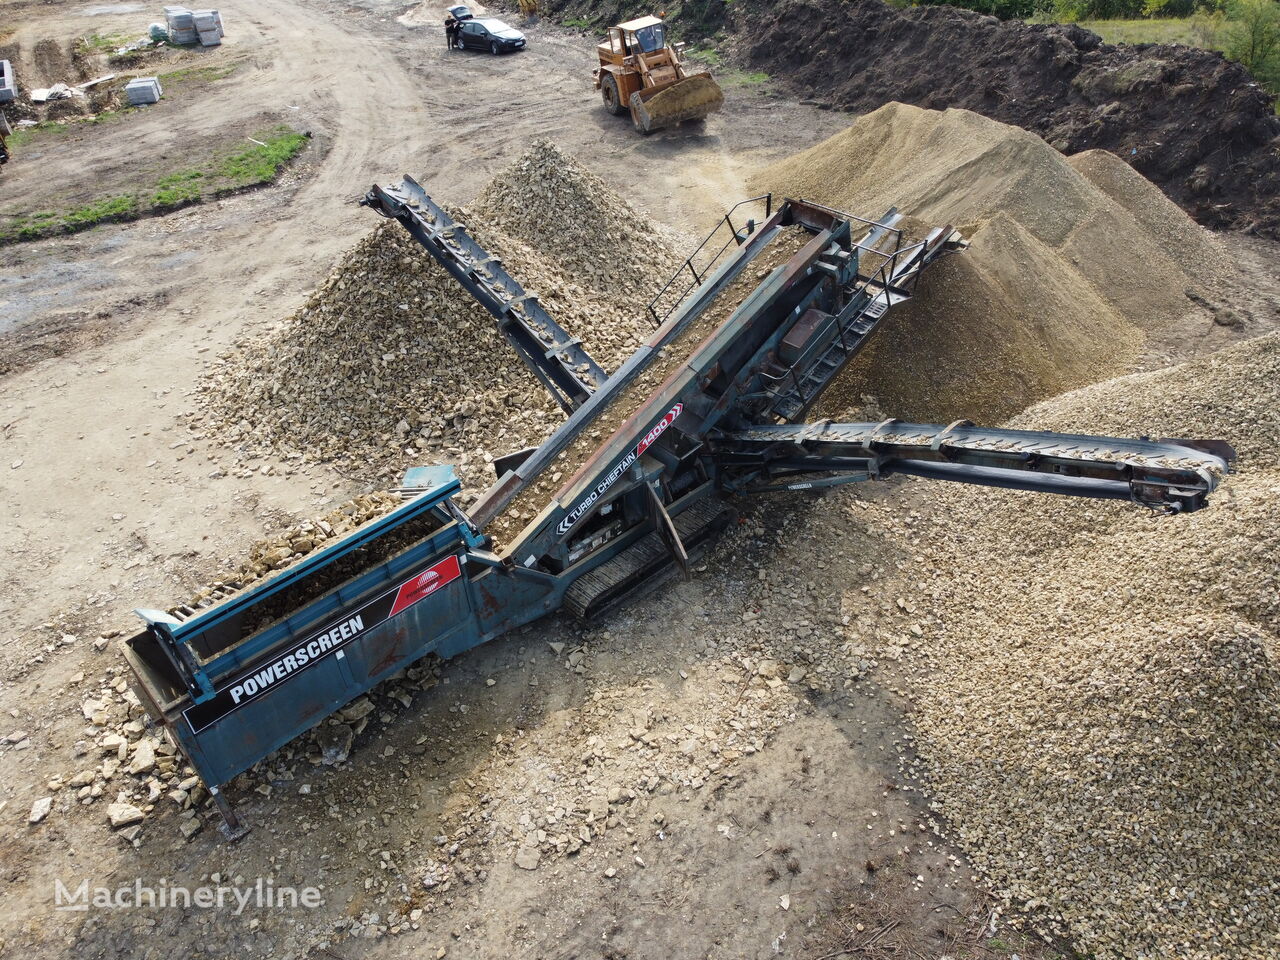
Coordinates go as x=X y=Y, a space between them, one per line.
x=224 y=172
x=177 y=189
x=1169 y=30
x=112 y=208
x=209 y=74
x=578 y=23
x=25 y=136
x=708 y=55
x=262 y=161
x=742 y=78
x=106 y=42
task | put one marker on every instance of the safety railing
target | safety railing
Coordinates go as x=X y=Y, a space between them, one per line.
x=692 y=272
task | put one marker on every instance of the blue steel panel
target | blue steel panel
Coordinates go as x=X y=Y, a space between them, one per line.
x=298 y=701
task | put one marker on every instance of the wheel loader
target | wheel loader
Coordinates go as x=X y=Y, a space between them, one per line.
x=641 y=72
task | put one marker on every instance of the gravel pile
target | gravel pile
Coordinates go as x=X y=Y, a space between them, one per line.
x=391 y=364
x=589 y=234
x=1099 y=696
x=1071 y=267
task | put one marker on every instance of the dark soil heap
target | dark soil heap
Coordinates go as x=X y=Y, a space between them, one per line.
x=1196 y=124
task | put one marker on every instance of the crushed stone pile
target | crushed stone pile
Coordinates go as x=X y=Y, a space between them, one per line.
x=572 y=218
x=391 y=364
x=1191 y=121
x=1099 y=695
x=129 y=774
x=1063 y=282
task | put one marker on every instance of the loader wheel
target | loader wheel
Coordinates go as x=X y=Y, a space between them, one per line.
x=609 y=93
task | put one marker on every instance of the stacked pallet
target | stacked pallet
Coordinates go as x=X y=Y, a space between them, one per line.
x=142 y=90
x=208 y=27
x=182 y=25
x=8 y=86
x=194 y=26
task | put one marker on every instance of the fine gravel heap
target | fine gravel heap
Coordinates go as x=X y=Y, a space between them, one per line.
x=391 y=364
x=1074 y=264
x=1100 y=701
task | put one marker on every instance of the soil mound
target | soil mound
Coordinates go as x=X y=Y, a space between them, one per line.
x=1192 y=122
x=1060 y=285
x=390 y=363
x=1099 y=727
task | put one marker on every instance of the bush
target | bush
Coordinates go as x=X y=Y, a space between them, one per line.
x=1253 y=38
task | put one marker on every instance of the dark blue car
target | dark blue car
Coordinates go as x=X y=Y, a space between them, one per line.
x=486 y=33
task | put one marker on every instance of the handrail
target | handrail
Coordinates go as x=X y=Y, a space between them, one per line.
x=726 y=220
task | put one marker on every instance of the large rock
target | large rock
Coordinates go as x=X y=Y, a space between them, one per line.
x=144 y=757
x=122 y=814
x=335 y=742
x=40 y=809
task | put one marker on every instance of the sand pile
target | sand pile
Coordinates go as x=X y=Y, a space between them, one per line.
x=1063 y=280
x=391 y=363
x=1101 y=717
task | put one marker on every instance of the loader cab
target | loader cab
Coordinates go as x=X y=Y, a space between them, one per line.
x=643 y=36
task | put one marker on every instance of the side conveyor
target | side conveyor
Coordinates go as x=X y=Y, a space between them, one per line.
x=1171 y=475
x=556 y=358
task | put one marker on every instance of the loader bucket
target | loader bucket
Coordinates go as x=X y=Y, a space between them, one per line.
x=689 y=99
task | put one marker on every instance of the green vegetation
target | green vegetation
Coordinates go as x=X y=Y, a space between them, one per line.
x=24 y=136
x=742 y=78
x=578 y=23
x=223 y=173
x=708 y=55
x=1253 y=38
x=105 y=42
x=1004 y=9
x=263 y=161
x=1201 y=30
x=177 y=189
x=112 y=208
x=207 y=74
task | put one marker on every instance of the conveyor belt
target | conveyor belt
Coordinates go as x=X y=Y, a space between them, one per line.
x=774 y=248
x=556 y=358
x=912 y=439
x=1172 y=475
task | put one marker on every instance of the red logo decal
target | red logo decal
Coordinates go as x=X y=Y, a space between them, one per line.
x=425 y=584
x=659 y=428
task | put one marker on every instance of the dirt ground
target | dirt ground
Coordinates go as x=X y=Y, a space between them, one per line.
x=114 y=506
